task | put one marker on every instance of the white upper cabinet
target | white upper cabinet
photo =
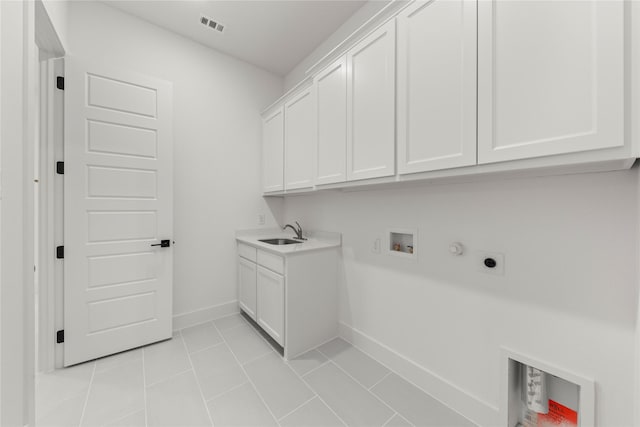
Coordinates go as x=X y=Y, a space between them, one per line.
x=299 y=140
x=437 y=85
x=331 y=115
x=371 y=105
x=550 y=76
x=273 y=152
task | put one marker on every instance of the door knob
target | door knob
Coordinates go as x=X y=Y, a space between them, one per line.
x=163 y=243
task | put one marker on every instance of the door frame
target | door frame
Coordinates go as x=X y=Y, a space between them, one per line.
x=18 y=123
x=48 y=212
x=50 y=219
x=26 y=31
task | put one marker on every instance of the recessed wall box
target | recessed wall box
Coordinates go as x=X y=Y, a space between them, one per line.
x=402 y=242
x=561 y=398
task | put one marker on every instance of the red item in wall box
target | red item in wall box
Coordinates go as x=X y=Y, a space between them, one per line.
x=558 y=416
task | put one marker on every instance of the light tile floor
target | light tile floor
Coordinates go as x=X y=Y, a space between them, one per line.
x=224 y=373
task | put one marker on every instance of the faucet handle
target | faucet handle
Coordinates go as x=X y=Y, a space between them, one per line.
x=299 y=232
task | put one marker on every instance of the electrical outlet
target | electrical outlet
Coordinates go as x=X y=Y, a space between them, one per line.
x=376 y=246
x=490 y=262
x=261 y=219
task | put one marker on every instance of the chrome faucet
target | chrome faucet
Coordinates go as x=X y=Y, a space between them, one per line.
x=298 y=230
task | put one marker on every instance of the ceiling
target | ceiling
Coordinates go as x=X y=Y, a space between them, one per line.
x=272 y=34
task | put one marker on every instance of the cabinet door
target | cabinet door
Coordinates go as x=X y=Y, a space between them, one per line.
x=331 y=117
x=550 y=77
x=273 y=152
x=299 y=140
x=271 y=303
x=247 y=277
x=371 y=105
x=437 y=85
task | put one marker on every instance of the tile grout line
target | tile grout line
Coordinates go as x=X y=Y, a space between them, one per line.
x=320 y=397
x=242 y=323
x=255 y=358
x=404 y=418
x=144 y=388
x=302 y=377
x=122 y=418
x=314 y=369
x=379 y=381
x=206 y=407
x=209 y=347
x=368 y=389
x=299 y=406
x=86 y=400
x=170 y=377
x=299 y=376
x=403 y=378
x=375 y=396
x=357 y=381
x=249 y=379
x=210 y=323
x=259 y=334
x=389 y=420
x=235 y=387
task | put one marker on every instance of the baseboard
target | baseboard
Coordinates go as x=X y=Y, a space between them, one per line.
x=184 y=320
x=467 y=405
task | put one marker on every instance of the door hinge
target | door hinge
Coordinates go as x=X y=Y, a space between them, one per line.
x=60 y=168
x=60 y=336
x=60 y=82
x=60 y=252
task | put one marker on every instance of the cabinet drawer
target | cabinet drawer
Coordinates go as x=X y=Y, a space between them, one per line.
x=246 y=251
x=271 y=261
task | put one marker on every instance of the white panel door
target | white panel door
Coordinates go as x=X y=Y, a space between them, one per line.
x=273 y=152
x=331 y=121
x=437 y=85
x=550 y=77
x=371 y=105
x=118 y=202
x=270 y=305
x=247 y=271
x=299 y=140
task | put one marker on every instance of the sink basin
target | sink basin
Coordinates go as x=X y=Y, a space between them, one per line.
x=279 y=241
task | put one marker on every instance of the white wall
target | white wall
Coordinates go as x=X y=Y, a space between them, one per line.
x=569 y=295
x=217 y=134
x=58 y=11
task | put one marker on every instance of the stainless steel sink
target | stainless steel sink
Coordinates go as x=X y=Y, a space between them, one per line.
x=279 y=241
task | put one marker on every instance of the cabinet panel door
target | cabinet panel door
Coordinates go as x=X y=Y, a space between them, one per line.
x=273 y=152
x=299 y=141
x=550 y=77
x=437 y=85
x=247 y=277
x=271 y=303
x=371 y=105
x=331 y=112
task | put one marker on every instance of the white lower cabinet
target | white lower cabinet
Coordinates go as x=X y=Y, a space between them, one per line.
x=270 y=309
x=292 y=297
x=247 y=279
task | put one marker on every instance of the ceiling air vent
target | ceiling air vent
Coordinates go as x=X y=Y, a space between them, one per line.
x=210 y=23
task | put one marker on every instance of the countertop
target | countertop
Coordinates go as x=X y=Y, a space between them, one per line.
x=316 y=240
